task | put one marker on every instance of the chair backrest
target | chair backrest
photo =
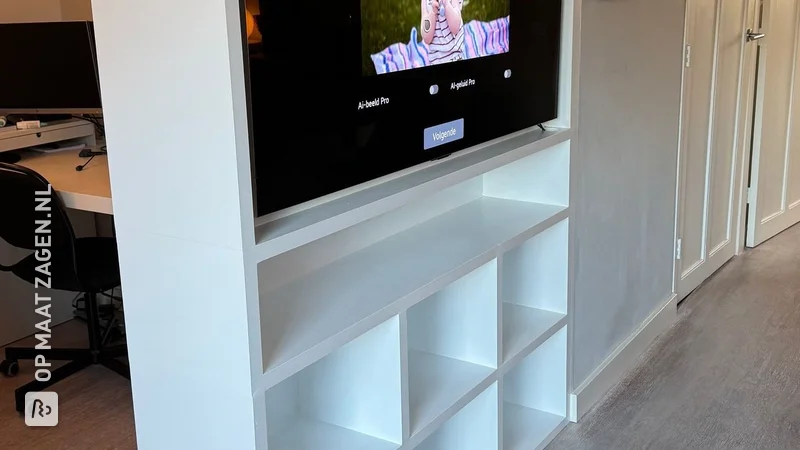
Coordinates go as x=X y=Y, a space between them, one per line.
x=21 y=207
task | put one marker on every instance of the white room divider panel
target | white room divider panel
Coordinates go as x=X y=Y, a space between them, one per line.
x=387 y=316
x=183 y=215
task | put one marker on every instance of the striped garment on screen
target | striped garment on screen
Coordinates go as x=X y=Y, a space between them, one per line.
x=445 y=47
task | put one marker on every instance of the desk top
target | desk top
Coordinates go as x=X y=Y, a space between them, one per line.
x=87 y=190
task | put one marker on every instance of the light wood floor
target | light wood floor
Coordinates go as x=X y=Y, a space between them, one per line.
x=726 y=376
x=95 y=407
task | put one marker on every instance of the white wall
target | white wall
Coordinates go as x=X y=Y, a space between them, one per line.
x=630 y=87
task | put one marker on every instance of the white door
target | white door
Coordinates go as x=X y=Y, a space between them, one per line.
x=774 y=198
x=713 y=126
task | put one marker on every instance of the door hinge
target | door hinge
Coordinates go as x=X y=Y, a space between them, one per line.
x=678 y=249
x=688 y=56
x=749 y=195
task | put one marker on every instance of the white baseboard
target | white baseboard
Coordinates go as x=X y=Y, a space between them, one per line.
x=622 y=359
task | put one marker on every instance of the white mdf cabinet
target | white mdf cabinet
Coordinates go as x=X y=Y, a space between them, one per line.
x=396 y=332
x=427 y=309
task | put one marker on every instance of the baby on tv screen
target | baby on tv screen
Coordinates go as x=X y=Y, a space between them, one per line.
x=346 y=91
x=407 y=34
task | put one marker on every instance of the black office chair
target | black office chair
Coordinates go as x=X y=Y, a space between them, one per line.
x=86 y=265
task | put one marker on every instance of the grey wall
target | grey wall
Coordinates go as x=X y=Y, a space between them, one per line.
x=631 y=56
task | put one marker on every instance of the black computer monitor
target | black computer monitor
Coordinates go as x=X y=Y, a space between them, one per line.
x=48 y=68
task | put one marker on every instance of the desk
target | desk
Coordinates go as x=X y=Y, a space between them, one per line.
x=87 y=190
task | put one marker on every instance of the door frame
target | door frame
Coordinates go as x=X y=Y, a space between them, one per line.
x=751 y=53
x=742 y=156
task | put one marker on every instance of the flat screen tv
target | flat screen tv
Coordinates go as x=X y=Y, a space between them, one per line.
x=345 y=91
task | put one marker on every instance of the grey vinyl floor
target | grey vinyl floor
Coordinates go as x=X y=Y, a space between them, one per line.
x=725 y=376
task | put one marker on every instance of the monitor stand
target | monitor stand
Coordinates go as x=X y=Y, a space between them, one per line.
x=74 y=131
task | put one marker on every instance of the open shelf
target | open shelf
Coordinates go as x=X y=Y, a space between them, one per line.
x=351 y=399
x=309 y=317
x=431 y=321
x=437 y=384
x=534 y=280
x=475 y=427
x=535 y=396
x=524 y=427
x=315 y=435
x=524 y=328
x=452 y=342
x=299 y=225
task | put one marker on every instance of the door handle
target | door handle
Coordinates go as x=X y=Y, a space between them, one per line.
x=751 y=36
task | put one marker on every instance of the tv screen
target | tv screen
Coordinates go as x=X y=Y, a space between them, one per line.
x=346 y=91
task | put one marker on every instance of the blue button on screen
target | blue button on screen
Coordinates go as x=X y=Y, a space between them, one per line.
x=444 y=133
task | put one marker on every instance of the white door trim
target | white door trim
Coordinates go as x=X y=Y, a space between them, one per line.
x=680 y=172
x=747 y=136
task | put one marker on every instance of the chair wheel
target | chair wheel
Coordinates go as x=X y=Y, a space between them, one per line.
x=9 y=368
